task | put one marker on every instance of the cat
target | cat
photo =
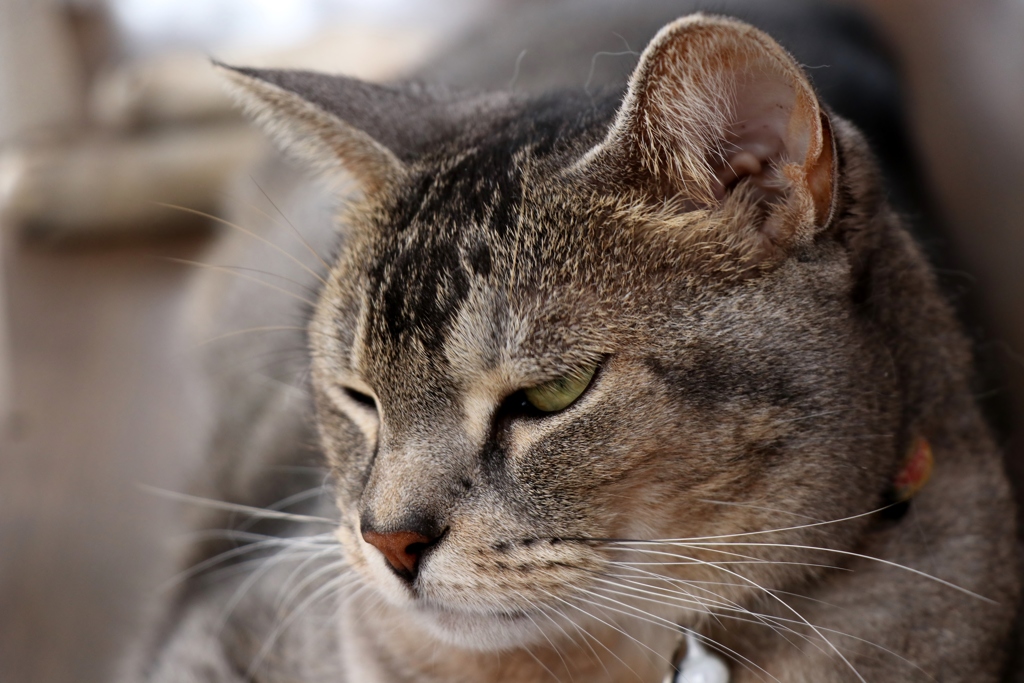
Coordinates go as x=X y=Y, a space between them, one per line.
x=591 y=372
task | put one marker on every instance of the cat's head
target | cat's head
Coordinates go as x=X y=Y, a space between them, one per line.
x=561 y=326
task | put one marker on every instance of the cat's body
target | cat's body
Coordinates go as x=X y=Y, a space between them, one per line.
x=766 y=344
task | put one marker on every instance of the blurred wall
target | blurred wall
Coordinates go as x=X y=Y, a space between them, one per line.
x=964 y=69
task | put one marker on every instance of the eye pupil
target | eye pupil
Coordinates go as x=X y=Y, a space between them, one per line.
x=516 y=406
x=361 y=398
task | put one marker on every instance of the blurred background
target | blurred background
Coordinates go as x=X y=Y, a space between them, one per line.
x=109 y=110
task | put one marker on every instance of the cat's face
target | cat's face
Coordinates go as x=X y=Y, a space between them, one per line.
x=570 y=330
x=713 y=409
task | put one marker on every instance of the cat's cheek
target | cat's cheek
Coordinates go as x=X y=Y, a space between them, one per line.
x=595 y=444
x=348 y=447
x=347 y=537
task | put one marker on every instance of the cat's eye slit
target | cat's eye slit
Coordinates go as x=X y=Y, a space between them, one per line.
x=562 y=392
x=550 y=397
x=359 y=397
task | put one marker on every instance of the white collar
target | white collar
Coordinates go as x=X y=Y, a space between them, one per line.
x=700 y=665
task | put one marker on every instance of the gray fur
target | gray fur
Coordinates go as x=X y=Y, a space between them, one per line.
x=763 y=363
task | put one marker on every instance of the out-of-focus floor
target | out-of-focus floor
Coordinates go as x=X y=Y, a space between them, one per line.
x=98 y=397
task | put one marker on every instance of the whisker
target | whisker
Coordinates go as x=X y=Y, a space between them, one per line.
x=749 y=558
x=541 y=664
x=598 y=640
x=693 y=561
x=285 y=598
x=250 y=233
x=285 y=623
x=550 y=642
x=288 y=501
x=284 y=590
x=249 y=330
x=245 y=586
x=579 y=631
x=849 y=553
x=852 y=637
x=757 y=619
x=791 y=609
x=622 y=631
x=230 y=270
x=731 y=605
x=737 y=535
x=290 y=224
x=666 y=623
x=268 y=273
x=251 y=537
x=263 y=365
x=244 y=566
x=694 y=583
x=220 y=558
x=758 y=507
x=234 y=507
x=662 y=593
x=811 y=416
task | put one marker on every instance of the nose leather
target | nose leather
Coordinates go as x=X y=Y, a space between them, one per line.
x=402 y=549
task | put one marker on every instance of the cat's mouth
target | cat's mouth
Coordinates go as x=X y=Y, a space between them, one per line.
x=497 y=629
x=509 y=616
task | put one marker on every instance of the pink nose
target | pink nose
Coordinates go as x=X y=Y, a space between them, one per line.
x=402 y=549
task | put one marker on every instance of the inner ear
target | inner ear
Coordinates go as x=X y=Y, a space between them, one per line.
x=759 y=140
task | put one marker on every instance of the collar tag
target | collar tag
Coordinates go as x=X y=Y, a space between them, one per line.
x=700 y=665
x=917 y=469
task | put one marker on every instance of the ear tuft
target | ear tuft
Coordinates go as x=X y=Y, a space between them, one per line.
x=715 y=104
x=333 y=146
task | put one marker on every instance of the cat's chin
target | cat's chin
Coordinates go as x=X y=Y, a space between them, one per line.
x=483 y=632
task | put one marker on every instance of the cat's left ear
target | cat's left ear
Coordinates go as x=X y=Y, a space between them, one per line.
x=341 y=125
x=715 y=105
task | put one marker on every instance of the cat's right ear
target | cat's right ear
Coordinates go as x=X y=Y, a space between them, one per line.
x=332 y=123
x=715 y=104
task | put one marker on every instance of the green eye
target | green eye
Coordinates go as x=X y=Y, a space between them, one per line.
x=559 y=394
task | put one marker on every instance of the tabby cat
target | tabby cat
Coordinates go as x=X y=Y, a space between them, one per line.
x=591 y=372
